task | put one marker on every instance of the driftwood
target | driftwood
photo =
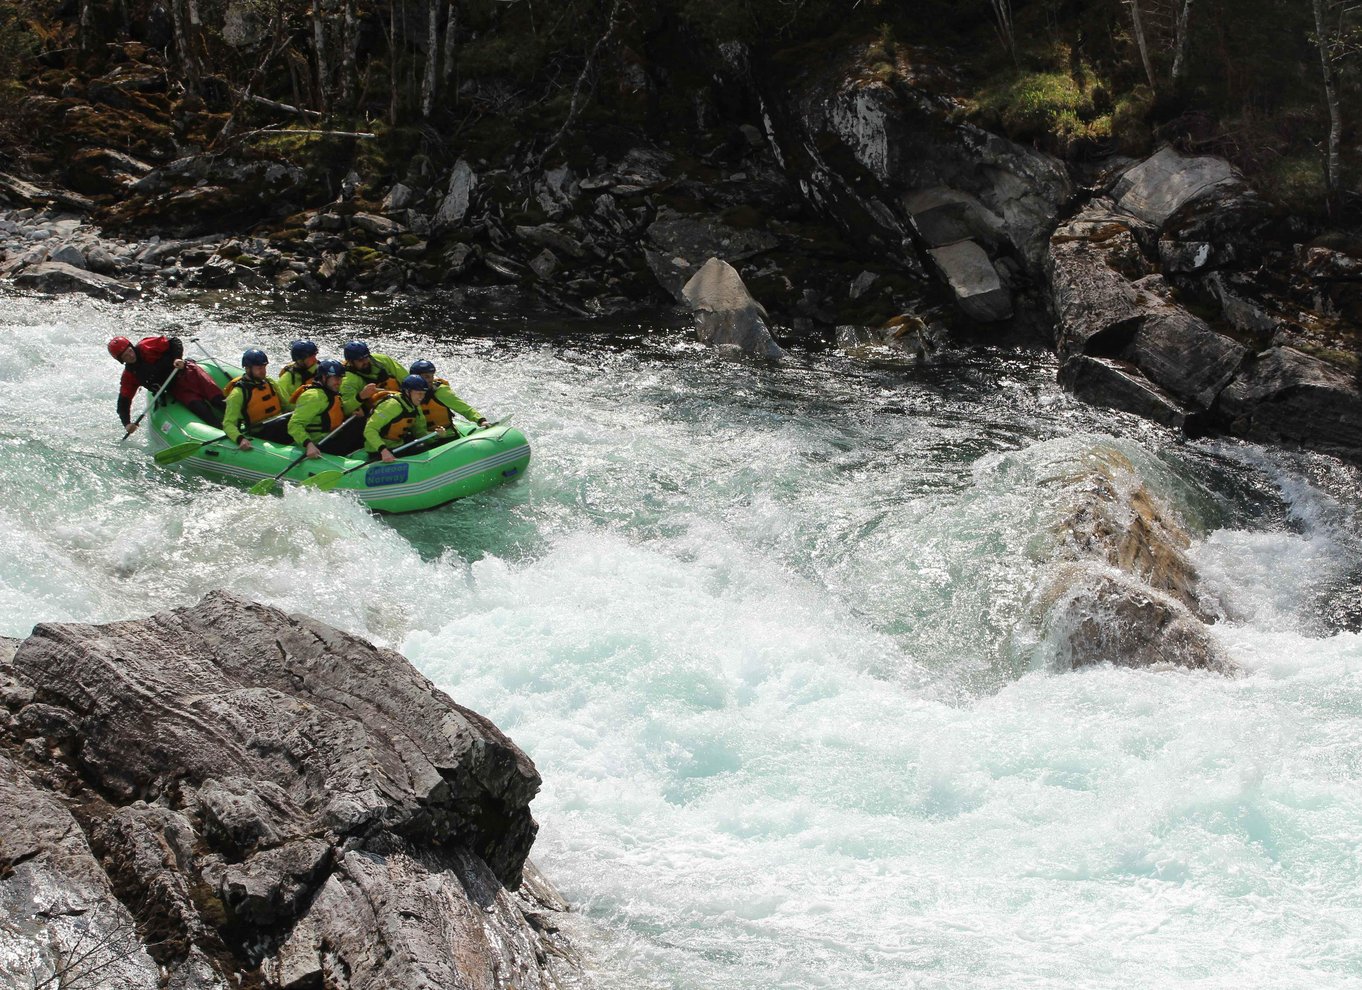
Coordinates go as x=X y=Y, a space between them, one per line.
x=365 y=135
x=282 y=107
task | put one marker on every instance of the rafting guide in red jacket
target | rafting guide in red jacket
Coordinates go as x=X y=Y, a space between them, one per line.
x=148 y=363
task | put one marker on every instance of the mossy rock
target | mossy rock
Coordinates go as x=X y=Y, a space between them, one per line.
x=123 y=130
x=364 y=258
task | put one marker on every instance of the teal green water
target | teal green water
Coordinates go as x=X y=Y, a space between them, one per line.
x=770 y=637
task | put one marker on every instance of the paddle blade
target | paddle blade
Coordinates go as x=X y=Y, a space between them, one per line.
x=176 y=453
x=262 y=487
x=324 y=482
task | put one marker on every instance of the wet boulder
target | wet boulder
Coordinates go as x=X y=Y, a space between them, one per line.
x=727 y=317
x=1286 y=395
x=269 y=798
x=1125 y=590
x=978 y=290
x=1100 y=616
x=58 y=277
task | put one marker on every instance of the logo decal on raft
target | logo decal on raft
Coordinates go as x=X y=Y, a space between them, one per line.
x=386 y=474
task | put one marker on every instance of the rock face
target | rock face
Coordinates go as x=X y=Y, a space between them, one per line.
x=890 y=164
x=726 y=315
x=236 y=794
x=1175 y=228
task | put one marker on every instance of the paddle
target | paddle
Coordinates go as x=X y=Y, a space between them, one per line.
x=324 y=480
x=177 y=453
x=207 y=355
x=150 y=405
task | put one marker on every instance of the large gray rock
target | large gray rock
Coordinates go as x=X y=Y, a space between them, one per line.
x=1285 y=395
x=1120 y=385
x=1104 y=616
x=58 y=911
x=55 y=276
x=272 y=800
x=1125 y=591
x=1167 y=181
x=943 y=216
x=726 y=314
x=454 y=207
x=972 y=277
x=908 y=139
x=1103 y=313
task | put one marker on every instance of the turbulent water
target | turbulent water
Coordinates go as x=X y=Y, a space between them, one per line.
x=771 y=638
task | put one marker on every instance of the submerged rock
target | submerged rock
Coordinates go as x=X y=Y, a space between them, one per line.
x=727 y=316
x=261 y=798
x=1126 y=592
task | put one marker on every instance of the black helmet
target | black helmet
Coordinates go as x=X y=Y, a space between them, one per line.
x=355 y=350
x=300 y=349
x=254 y=356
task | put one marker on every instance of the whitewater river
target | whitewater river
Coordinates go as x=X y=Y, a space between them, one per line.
x=770 y=637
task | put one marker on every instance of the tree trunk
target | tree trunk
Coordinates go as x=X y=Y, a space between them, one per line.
x=83 y=35
x=349 y=56
x=394 y=84
x=319 y=51
x=432 y=74
x=448 y=83
x=1141 y=42
x=180 y=28
x=1332 y=164
x=1002 y=15
x=1180 y=53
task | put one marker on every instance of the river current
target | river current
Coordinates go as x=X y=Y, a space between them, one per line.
x=770 y=636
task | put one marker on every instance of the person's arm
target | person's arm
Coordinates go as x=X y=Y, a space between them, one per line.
x=310 y=404
x=445 y=396
x=231 y=417
x=127 y=389
x=285 y=403
x=349 y=392
x=387 y=411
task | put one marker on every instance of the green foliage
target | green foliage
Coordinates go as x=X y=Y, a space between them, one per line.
x=1130 y=120
x=1296 y=182
x=1047 y=108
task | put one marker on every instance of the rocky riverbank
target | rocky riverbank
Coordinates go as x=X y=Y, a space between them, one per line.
x=856 y=208
x=226 y=795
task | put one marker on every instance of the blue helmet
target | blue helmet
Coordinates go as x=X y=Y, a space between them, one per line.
x=254 y=356
x=414 y=383
x=300 y=349
x=422 y=367
x=329 y=367
x=355 y=350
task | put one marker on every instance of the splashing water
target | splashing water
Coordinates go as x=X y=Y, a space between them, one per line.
x=758 y=629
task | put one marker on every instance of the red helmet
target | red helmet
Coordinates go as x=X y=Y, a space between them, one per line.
x=118 y=345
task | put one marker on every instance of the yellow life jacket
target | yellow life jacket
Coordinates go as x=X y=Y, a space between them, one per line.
x=262 y=400
x=401 y=429
x=376 y=375
x=437 y=413
x=333 y=416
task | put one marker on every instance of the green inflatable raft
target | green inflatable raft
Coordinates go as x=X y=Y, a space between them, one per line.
x=473 y=461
